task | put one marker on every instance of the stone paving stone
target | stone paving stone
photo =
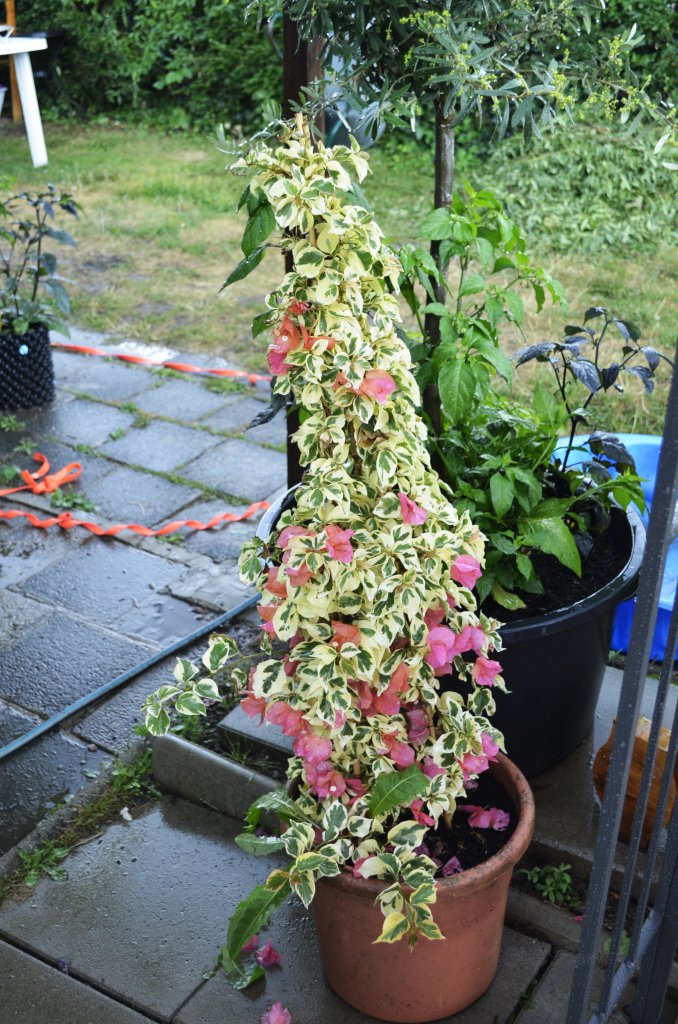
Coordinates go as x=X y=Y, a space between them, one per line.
x=567 y=807
x=548 y=1004
x=240 y=468
x=24 y=548
x=160 y=446
x=129 y=496
x=223 y=541
x=34 y=993
x=219 y=587
x=61 y=455
x=79 y=422
x=38 y=776
x=153 y=897
x=186 y=399
x=110 y=381
x=162 y=620
x=104 y=580
x=236 y=414
x=300 y=986
x=18 y=615
x=111 y=722
x=236 y=724
x=63 y=659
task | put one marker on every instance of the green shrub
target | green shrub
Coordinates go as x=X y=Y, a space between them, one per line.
x=179 y=63
x=587 y=187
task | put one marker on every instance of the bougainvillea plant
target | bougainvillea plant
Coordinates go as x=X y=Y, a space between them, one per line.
x=366 y=584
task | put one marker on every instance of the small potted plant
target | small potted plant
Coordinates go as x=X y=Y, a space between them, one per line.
x=366 y=600
x=565 y=542
x=33 y=300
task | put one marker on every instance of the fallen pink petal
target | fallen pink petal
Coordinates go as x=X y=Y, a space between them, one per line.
x=251 y=944
x=267 y=956
x=278 y=1014
x=452 y=867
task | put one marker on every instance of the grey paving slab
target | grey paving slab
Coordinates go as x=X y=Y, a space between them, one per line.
x=63 y=659
x=160 y=446
x=104 y=580
x=110 y=381
x=221 y=542
x=79 y=422
x=61 y=455
x=567 y=807
x=218 y=587
x=300 y=986
x=110 y=722
x=240 y=468
x=236 y=414
x=25 y=549
x=35 y=993
x=18 y=615
x=236 y=724
x=162 y=619
x=153 y=897
x=130 y=496
x=36 y=778
x=186 y=399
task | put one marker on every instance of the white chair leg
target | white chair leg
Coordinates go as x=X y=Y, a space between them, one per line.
x=29 y=105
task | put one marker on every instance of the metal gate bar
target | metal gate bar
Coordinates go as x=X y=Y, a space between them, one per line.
x=650 y=946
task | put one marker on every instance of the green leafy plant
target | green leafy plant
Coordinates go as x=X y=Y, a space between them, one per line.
x=67 y=497
x=366 y=583
x=502 y=459
x=27 y=270
x=553 y=883
x=12 y=424
x=44 y=860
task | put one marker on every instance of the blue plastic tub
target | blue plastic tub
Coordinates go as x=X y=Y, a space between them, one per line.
x=645 y=450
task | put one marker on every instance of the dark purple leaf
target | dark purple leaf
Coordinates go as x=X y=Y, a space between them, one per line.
x=540 y=352
x=609 y=375
x=278 y=402
x=644 y=374
x=628 y=330
x=652 y=356
x=592 y=312
x=609 y=445
x=586 y=372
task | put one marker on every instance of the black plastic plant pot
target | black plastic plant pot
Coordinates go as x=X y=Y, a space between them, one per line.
x=554 y=666
x=26 y=369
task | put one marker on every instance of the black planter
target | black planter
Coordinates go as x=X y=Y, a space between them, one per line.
x=26 y=369
x=554 y=665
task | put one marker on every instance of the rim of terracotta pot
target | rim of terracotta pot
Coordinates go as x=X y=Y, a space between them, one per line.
x=512 y=779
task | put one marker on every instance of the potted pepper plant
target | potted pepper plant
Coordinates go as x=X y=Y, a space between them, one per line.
x=33 y=300
x=555 y=497
x=367 y=600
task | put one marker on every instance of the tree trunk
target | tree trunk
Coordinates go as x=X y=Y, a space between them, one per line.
x=444 y=184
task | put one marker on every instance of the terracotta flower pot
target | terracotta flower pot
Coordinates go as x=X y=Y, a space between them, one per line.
x=436 y=978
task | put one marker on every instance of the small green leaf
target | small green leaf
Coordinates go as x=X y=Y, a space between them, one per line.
x=259 y=846
x=553 y=538
x=472 y=284
x=507 y=600
x=457 y=385
x=259 y=226
x=437 y=225
x=502 y=492
x=515 y=306
x=249 y=917
x=396 y=789
x=245 y=266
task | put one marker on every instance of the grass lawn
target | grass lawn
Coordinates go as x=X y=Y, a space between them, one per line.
x=159 y=233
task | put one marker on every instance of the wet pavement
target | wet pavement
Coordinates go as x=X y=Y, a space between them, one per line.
x=132 y=935
x=78 y=610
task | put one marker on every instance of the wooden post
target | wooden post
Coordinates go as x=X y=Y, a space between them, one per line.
x=10 y=19
x=301 y=65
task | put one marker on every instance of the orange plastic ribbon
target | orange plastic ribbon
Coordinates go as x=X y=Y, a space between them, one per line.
x=41 y=482
x=169 y=364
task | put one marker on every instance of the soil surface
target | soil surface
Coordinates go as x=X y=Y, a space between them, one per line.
x=472 y=846
x=562 y=587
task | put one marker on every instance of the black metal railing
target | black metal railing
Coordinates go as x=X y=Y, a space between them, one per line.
x=645 y=931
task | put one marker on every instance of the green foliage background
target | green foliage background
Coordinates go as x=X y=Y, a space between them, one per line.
x=179 y=63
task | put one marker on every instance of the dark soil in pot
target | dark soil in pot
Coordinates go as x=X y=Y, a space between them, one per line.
x=473 y=846
x=562 y=587
x=26 y=369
